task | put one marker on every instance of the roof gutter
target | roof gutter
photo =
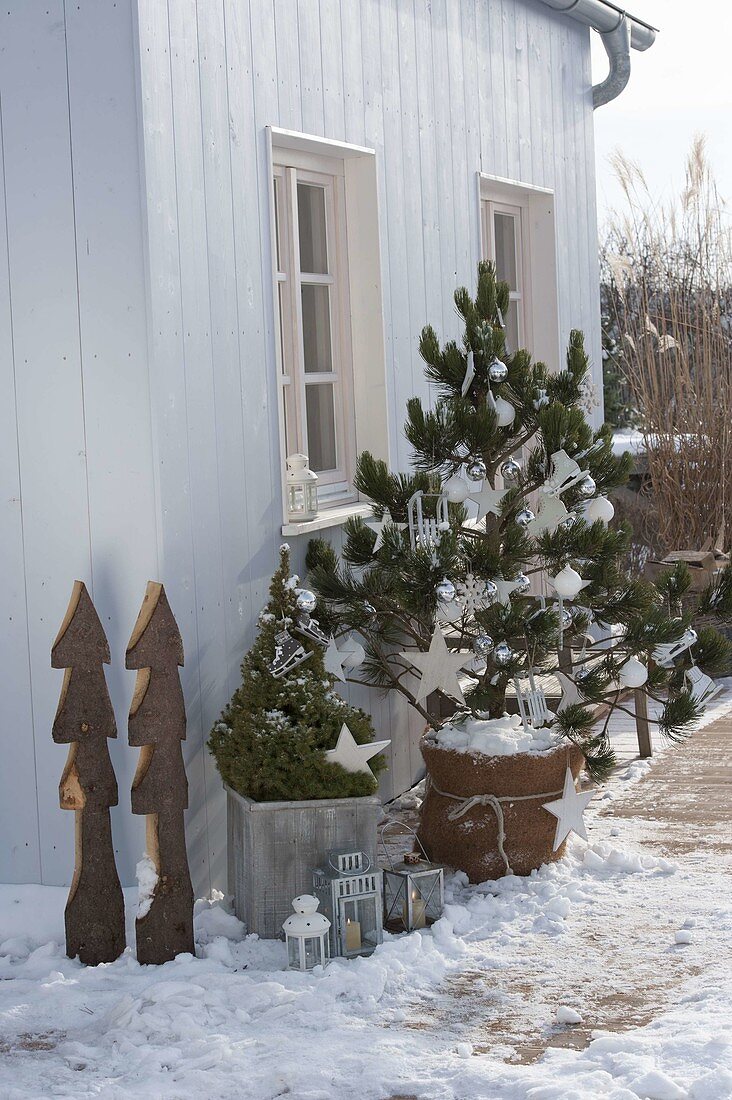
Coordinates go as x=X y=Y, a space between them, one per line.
x=619 y=32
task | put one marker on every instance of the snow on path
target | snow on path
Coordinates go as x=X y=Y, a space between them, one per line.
x=461 y=1011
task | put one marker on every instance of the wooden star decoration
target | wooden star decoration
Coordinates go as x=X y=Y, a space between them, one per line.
x=551 y=512
x=350 y=755
x=568 y=810
x=488 y=500
x=378 y=527
x=505 y=588
x=439 y=668
x=333 y=660
x=570 y=692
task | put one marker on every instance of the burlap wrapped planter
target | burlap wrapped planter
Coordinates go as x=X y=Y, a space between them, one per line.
x=470 y=842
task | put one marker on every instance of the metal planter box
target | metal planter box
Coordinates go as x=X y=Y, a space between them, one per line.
x=274 y=847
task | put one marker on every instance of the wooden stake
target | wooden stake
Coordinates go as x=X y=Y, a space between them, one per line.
x=95 y=916
x=643 y=729
x=157 y=725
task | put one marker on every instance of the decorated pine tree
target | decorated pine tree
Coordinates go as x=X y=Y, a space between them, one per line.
x=282 y=734
x=493 y=561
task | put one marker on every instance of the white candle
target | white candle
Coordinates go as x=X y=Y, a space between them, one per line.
x=353 y=935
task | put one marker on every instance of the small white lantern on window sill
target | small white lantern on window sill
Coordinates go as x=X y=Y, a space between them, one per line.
x=302 y=489
x=306 y=934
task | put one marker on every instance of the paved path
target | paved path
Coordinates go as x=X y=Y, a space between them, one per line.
x=615 y=959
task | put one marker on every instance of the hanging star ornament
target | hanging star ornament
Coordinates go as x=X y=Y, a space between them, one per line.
x=350 y=755
x=570 y=692
x=439 y=668
x=378 y=528
x=333 y=660
x=568 y=810
x=488 y=500
x=505 y=588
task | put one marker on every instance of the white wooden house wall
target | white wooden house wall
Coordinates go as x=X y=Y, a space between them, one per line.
x=138 y=415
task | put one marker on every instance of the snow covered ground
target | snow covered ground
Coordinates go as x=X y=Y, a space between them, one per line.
x=613 y=933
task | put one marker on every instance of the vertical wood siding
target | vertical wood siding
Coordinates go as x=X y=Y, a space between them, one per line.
x=118 y=472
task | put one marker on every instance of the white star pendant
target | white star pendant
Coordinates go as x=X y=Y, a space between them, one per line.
x=505 y=588
x=333 y=660
x=570 y=692
x=439 y=668
x=568 y=810
x=488 y=500
x=350 y=755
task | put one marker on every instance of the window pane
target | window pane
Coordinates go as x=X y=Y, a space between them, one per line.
x=316 y=329
x=505 y=232
x=311 y=219
x=321 y=427
x=283 y=320
x=512 y=327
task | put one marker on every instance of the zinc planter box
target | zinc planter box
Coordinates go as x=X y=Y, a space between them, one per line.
x=274 y=847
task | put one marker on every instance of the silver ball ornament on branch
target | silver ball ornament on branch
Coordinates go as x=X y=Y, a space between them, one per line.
x=503 y=654
x=587 y=487
x=482 y=644
x=510 y=469
x=525 y=517
x=475 y=470
x=523 y=584
x=497 y=371
x=306 y=601
x=369 y=609
x=490 y=591
x=566 y=618
x=445 y=591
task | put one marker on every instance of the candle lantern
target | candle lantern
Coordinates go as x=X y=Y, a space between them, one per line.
x=307 y=935
x=302 y=489
x=414 y=889
x=349 y=892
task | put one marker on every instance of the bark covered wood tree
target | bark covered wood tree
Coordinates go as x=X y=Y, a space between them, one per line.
x=157 y=726
x=94 y=917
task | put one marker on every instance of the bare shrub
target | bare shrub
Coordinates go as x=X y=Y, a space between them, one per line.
x=667 y=309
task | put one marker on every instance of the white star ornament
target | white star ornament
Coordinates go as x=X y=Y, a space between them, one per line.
x=350 y=755
x=439 y=668
x=488 y=500
x=333 y=660
x=568 y=810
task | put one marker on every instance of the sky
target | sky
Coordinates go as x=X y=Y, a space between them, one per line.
x=681 y=86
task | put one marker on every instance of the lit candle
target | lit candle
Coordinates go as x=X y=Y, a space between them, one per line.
x=419 y=911
x=353 y=935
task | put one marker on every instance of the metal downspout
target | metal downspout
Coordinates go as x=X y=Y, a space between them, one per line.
x=617 y=48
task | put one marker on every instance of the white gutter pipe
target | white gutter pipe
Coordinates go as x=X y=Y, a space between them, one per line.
x=619 y=32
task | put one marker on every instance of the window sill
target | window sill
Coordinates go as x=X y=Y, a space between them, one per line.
x=328 y=517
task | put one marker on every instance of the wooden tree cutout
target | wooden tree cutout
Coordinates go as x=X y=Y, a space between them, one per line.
x=95 y=912
x=157 y=725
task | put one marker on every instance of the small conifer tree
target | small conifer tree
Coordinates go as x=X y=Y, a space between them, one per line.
x=271 y=740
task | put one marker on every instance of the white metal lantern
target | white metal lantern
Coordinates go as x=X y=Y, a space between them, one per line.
x=302 y=489
x=349 y=892
x=306 y=934
x=414 y=890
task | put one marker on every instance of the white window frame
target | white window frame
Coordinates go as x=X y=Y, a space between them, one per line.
x=361 y=308
x=536 y=259
x=289 y=169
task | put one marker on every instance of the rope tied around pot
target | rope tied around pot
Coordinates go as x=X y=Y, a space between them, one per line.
x=494 y=801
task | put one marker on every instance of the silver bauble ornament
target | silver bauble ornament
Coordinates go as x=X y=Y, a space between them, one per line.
x=524 y=517
x=587 y=487
x=475 y=470
x=581 y=674
x=569 y=520
x=490 y=591
x=503 y=654
x=369 y=609
x=306 y=600
x=566 y=618
x=445 y=591
x=482 y=644
x=510 y=469
x=497 y=371
x=524 y=584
